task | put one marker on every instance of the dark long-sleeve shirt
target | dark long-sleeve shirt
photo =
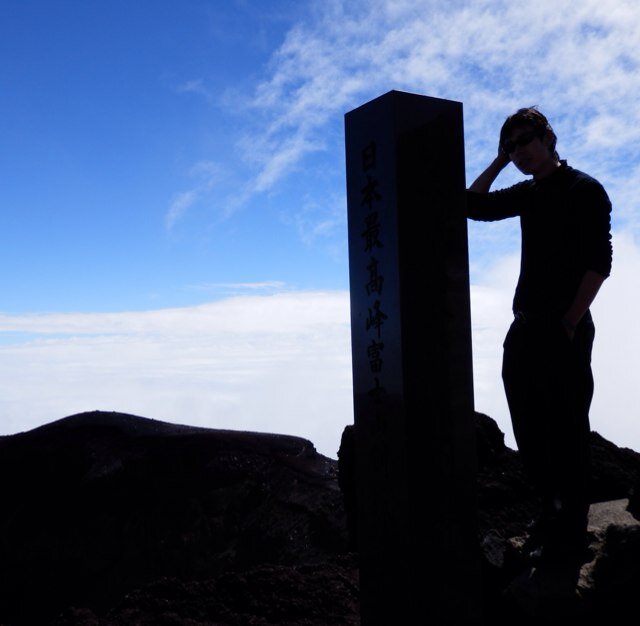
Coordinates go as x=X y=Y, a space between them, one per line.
x=565 y=220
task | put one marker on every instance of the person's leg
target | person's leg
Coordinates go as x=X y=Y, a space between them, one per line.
x=524 y=377
x=571 y=386
x=549 y=386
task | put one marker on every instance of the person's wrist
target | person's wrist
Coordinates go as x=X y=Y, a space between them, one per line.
x=502 y=160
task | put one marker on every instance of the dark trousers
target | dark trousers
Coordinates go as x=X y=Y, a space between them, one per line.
x=549 y=387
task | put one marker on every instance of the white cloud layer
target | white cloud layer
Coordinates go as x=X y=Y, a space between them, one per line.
x=279 y=363
x=268 y=363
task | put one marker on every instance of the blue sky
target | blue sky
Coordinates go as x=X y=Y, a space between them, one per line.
x=122 y=161
x=174 y=220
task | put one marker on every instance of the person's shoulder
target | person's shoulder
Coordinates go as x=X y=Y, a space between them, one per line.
x=587 y=188
x=578 y=177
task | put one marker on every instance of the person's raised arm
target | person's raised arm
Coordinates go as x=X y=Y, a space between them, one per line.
x=483 y=183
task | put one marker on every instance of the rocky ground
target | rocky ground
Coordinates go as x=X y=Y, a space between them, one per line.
x=110 y=520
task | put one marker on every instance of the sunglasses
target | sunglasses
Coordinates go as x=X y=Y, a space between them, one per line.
x=510 y=145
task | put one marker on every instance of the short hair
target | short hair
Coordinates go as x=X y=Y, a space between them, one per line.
x=528 y=116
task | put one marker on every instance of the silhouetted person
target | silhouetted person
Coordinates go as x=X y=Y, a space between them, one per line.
x=565 y=257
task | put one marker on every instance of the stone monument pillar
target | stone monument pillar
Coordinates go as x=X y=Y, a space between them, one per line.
x=412 y=369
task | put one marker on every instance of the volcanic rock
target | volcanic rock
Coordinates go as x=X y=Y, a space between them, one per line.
x=110 y=519
x=99 y=504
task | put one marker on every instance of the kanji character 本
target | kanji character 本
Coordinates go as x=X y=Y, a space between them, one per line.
x=369 y=192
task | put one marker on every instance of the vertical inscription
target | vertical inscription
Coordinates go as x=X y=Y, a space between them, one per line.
x=372 y=240
x=377 y=332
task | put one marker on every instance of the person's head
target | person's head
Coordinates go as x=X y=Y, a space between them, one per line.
x=529 y=141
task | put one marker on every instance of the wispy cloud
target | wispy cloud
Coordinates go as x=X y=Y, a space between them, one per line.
x=178 y=207
x=206 y=175
x=580 y=66
x=235 y=288
x=196 y=86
